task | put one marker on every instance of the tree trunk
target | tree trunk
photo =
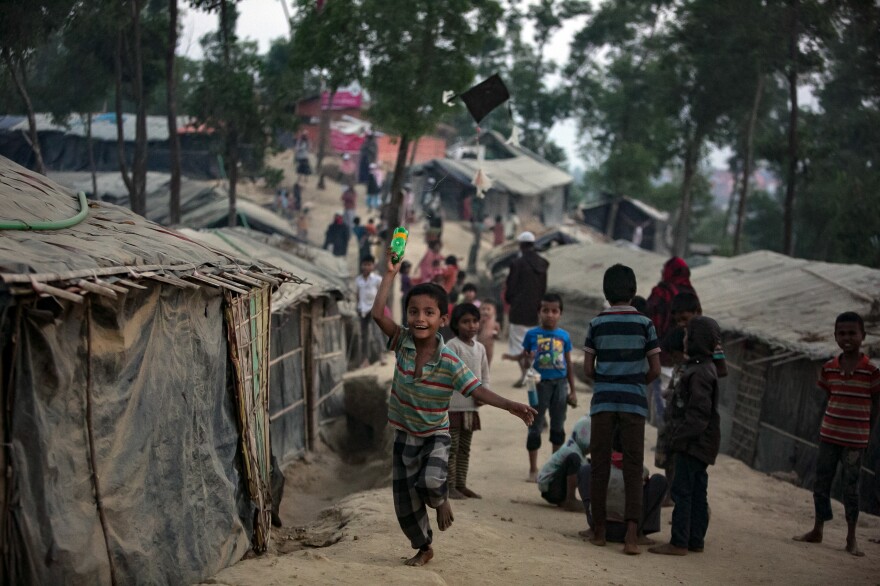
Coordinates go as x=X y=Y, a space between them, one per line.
x=788 y=211
x=735 y=171
x=323 y=134
x=232 y=171
x=120 y=129
x=173 y=138
x=90 y=145
x=747 y=165
x=17 y=74
x=415 y=149
x=396 y=204
x=684 y=217
x=139 y=165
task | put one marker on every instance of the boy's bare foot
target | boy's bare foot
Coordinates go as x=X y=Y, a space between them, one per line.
x=444 y=516
x=852 y=548
x=533 y=476
x=469 y=493
x=813 y=536
x=667 y=502
x=631 y=548
x=421 y=558
x=644 y=540
x=573 y=505
x=586 y=534
x=454 y=493
x=598 y=537
x=668 y=549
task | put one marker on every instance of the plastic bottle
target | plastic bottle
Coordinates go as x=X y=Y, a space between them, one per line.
x=398 y=244
x=532 y=378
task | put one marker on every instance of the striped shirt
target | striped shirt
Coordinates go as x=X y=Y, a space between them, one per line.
x=420 y=406
x=847 y=420
x=621 y=339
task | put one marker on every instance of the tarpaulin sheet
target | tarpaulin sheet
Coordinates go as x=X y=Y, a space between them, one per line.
x=165 y=439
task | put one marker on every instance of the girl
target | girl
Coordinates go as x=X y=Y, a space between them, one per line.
x=464 y=419
x=490 y=329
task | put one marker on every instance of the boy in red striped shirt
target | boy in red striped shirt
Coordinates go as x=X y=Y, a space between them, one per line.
x=853 y=387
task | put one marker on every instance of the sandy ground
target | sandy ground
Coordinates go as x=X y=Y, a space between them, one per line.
x=513 y=536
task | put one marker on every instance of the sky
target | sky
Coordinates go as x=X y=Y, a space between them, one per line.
x=264 y=20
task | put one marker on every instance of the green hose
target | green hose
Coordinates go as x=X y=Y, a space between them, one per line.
x=53 y=225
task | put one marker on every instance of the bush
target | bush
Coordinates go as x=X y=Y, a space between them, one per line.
x=273 y=177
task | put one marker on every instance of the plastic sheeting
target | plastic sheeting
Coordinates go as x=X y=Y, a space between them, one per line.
x=153 y=365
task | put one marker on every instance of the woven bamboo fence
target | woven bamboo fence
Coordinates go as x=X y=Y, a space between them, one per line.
x=248 y=320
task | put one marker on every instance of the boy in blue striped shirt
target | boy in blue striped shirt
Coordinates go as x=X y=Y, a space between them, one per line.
x=621 y=356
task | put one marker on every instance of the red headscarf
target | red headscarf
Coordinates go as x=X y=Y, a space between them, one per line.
x=676 y=272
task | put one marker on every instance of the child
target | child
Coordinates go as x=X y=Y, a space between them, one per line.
x=464 y=418
x=425 y=377
x=490 y=329
x=469 y=295
x=852 y=383
x=558 y=479
x=684 y=307
x=694 y=439
x=621 y=356
x=549 y=349
x=302 y=224
x=367 y=285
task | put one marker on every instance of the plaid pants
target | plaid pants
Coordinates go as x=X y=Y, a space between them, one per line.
x=418 y=472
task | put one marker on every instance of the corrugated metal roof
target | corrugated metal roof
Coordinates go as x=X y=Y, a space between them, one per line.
x=790 y=303
x=103 y=125
x=110 y=240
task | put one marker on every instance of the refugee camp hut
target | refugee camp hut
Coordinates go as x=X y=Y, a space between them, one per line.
x=777 y=314
x=523 y=183
x=65 y=145
x=134 y=378
x=626 y=218
x=576 y=272
x=309 y=347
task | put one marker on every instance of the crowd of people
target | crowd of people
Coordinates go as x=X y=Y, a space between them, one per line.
x=440 y=381
x=657 y=357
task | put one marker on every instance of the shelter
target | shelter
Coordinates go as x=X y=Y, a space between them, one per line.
x=203 y=204
x=777 y=318
x=625 y=218
x=309 y=343
x=135 y=375
x=777 y=314
x=522 y=182
x=65 y=146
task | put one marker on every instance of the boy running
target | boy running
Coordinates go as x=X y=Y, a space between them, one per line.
x=425 y=376
x=853 y=387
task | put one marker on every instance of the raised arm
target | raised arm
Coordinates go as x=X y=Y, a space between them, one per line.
x=385 y=323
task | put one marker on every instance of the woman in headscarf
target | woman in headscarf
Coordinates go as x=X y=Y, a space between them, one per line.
x=675 y=279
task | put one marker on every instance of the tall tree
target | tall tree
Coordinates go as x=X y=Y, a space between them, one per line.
x=418 y=50
x=171 y=104
x=227 y=97
x=24 y=26
x=329 y=39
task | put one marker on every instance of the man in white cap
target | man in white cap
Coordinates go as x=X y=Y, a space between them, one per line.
x=525 y=286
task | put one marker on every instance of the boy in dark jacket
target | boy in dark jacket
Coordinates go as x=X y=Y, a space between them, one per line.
x=695 y=437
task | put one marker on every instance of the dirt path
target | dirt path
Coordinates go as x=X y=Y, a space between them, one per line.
x=512 y=536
